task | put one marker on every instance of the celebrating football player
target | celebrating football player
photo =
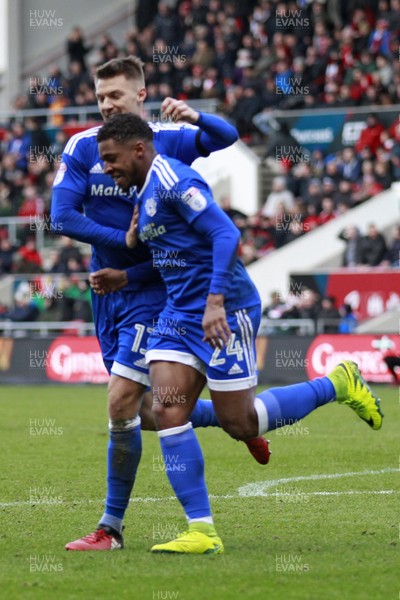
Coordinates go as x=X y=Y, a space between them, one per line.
x=89 y=206
x=216 y=303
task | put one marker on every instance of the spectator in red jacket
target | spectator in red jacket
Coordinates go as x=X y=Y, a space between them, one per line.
x=370 y=136
x=328 y=211
x=31 y=261
x=32 y=203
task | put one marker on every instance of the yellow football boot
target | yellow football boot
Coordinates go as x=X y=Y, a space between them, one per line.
x=351 y=389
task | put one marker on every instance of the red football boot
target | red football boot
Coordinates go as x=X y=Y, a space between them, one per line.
x=259 y=449
x=103 y=538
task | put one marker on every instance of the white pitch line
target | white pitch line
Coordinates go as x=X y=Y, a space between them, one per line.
x=247 y=491
x=87 y=501
x=347 y=493
x=259 y=487
x=211 y=496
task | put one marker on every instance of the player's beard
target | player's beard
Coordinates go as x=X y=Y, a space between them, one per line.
x=123 y=182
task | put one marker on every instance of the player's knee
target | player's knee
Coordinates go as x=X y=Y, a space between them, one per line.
x=123 y=399
x=167 y=415
x=117 y=405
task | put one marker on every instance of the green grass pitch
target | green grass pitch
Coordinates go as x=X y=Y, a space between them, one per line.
x=321 y=521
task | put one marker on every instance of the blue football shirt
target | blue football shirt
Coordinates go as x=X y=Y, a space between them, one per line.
x=171 y=200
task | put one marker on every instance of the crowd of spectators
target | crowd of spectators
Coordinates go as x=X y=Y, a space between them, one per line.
x=248 y=56
x=371 y=249
x=308 y=305
x=50 y=299
x=262 y=234
x=28 y=161
x=56 y=288
x=368 y=167
x=64 y=257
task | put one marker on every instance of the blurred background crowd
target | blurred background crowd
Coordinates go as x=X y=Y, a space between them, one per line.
x=243 y=54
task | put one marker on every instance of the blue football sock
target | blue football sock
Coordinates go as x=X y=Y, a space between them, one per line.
x=203 y=414
x=124 y=452
x=184 y=464
x=287 y=405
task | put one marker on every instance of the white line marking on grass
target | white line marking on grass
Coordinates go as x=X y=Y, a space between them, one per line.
x=348 y=493
x=211 y=496
x=88 y=501
x=259 y=487
x=247 y=491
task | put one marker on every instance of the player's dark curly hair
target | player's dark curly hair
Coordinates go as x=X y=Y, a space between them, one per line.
x=130 y=66
x=124 y=127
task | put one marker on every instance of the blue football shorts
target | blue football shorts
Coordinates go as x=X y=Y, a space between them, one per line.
x=178 y=336
x=123 y=322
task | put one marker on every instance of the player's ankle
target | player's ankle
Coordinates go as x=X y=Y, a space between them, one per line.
x=202 y=527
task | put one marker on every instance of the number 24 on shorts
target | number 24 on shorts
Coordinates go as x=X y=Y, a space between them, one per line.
x=233 y=347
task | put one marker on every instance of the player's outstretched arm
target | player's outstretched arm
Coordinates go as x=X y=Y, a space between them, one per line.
x=214 y=133
x=67 y=219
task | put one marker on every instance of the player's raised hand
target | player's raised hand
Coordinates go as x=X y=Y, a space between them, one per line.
x=215 y=326
x=107 y=280
x=131 y=234
x=178 y=110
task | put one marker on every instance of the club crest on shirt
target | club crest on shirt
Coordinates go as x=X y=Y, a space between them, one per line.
x=150 y=207
x=195 y=199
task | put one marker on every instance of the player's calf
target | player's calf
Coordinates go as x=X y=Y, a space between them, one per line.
x=241 y=431
x=236 y=413
x=146 y=413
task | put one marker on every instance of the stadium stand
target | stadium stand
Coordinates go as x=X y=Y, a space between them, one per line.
x=247 y=59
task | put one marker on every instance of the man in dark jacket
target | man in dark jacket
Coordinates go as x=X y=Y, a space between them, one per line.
x=373 y=247
x=76 y=47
